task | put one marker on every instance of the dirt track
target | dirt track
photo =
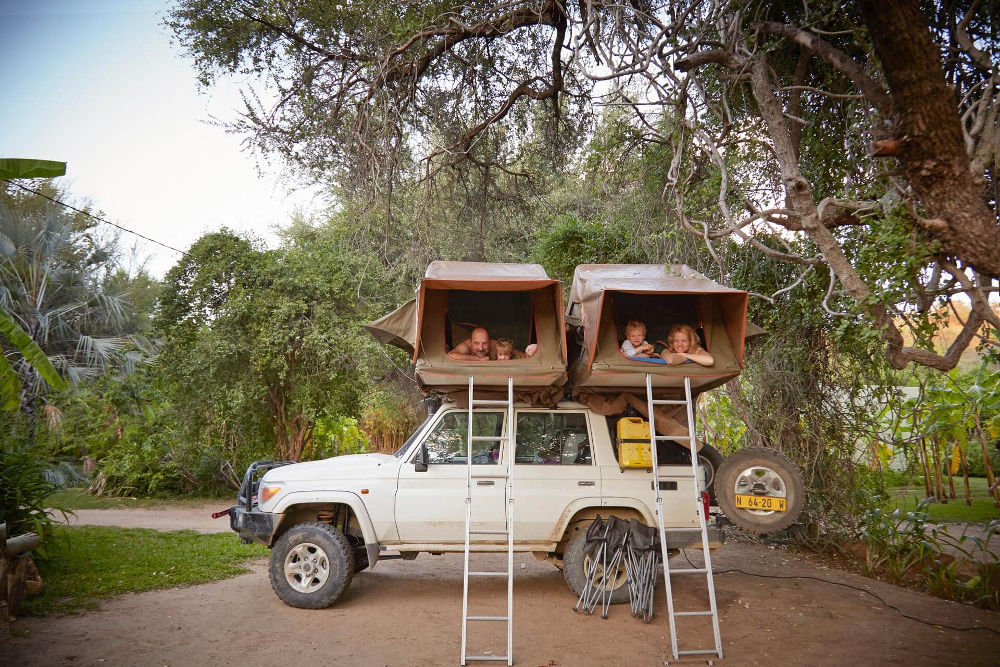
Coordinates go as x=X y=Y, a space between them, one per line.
x=408 y=613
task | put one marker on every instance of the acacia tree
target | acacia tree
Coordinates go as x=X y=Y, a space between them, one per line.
x=773 y=106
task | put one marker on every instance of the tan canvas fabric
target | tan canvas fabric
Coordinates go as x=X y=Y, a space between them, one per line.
x=489 y=271
x=419 y=327
x=398 y=328
x=721 y=312
x=670 y=419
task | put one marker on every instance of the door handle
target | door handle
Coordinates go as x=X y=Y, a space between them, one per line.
x=485 y=482
x=585 y=483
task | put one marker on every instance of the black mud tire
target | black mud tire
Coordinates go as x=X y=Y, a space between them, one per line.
x=711 y=460
x=725 y=489
x=330 y=544
x=574 y=561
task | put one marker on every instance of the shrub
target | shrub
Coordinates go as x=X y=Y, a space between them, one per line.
x=25 y=489
x=974 y=456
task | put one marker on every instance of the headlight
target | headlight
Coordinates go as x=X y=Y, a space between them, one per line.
x=266 y=492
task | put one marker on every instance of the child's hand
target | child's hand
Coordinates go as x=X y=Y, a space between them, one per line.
x=644 y=348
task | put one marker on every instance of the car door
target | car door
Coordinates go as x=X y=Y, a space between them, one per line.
x=430 y=505
x=553 y=467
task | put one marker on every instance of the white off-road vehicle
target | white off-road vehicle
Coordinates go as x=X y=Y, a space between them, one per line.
x=326 y=520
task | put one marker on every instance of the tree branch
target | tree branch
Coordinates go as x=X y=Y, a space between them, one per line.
x=834 y=57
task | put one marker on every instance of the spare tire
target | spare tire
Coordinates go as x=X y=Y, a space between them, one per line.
x=768 y=481
x=710 y=459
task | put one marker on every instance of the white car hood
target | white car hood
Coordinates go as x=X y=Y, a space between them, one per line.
x=351 y=466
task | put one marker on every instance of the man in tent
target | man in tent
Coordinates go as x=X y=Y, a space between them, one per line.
x=479 y=347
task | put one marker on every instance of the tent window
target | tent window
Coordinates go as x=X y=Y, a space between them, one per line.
x=659 y=312
x=504 y=314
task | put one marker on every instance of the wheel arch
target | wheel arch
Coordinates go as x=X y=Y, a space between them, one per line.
x=300 y=507
x=579 y=514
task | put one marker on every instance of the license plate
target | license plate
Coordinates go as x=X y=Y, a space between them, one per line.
x=762 y=503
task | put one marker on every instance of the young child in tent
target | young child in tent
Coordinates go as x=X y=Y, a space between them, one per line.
x=635 y=344
x=505 y=349
x=684 y=347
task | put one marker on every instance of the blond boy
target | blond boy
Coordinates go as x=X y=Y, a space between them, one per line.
x=635 y=344
x=504 y=349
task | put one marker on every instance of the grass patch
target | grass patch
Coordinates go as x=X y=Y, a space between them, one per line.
x=983 y=510
x=79 y=499
x=93 y=562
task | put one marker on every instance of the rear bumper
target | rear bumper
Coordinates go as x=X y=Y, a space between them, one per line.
x=253 y=526
x=691 y=539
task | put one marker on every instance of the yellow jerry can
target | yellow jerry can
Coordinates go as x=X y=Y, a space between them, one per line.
x=633 y=443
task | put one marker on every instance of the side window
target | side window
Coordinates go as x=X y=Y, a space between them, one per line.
x=447 y=443
x=553 y=437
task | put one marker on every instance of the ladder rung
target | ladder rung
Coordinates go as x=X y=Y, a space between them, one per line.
x=672 y=437
x=704 y=651
x=487 y=658
x=486 y=618
x=488 y=574
x=488 y=438
x=489 y=402
x=659 y=402
x=489 y=476
x=692 y=529
x=693 y=613
x=697 y=570
x=487 y=532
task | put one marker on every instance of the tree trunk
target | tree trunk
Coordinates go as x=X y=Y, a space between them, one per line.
x=925 y=464
x=932 y=148
x=938 y=477
x=951 y=480
x=965 y=477
x=990 y=479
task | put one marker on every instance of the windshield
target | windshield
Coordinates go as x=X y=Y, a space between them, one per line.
x=399 y=452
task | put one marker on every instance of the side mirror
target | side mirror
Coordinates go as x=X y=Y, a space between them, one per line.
x=420 y=465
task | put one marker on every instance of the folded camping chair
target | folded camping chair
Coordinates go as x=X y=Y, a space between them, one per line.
x=642 y=561
x=605 y=546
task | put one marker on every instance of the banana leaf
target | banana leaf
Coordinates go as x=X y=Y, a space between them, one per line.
x=24 y=168
x=10 y=387
x=32 y=353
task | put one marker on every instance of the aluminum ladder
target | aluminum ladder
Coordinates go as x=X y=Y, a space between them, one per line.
x=702 y=519
x=508 y=531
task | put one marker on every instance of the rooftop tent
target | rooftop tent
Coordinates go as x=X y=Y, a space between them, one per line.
x=515 y=301
x=604 y=297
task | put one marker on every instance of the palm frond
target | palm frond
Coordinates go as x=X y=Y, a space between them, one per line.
x=98 y=352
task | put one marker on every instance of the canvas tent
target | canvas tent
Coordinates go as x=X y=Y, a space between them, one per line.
x=515 y=301
x=604 y=297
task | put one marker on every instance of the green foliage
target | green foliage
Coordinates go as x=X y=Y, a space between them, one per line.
x=26 y=489
x=977 y=466
x=387 y=420
x=89 y=564
x=336 y=437
x=261 y=345
x=62 y=289
x=901 y=545
x=982 y=510
x=10 y=383
x=571 y=241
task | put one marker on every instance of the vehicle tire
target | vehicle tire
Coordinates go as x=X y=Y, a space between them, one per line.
x=311 y=566
x=575 y=562
x=763 y=472
x=710 y=458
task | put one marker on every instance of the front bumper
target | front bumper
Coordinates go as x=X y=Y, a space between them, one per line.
x=252 y=525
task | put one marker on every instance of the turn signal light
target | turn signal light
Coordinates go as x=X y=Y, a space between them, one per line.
x=267 y=492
